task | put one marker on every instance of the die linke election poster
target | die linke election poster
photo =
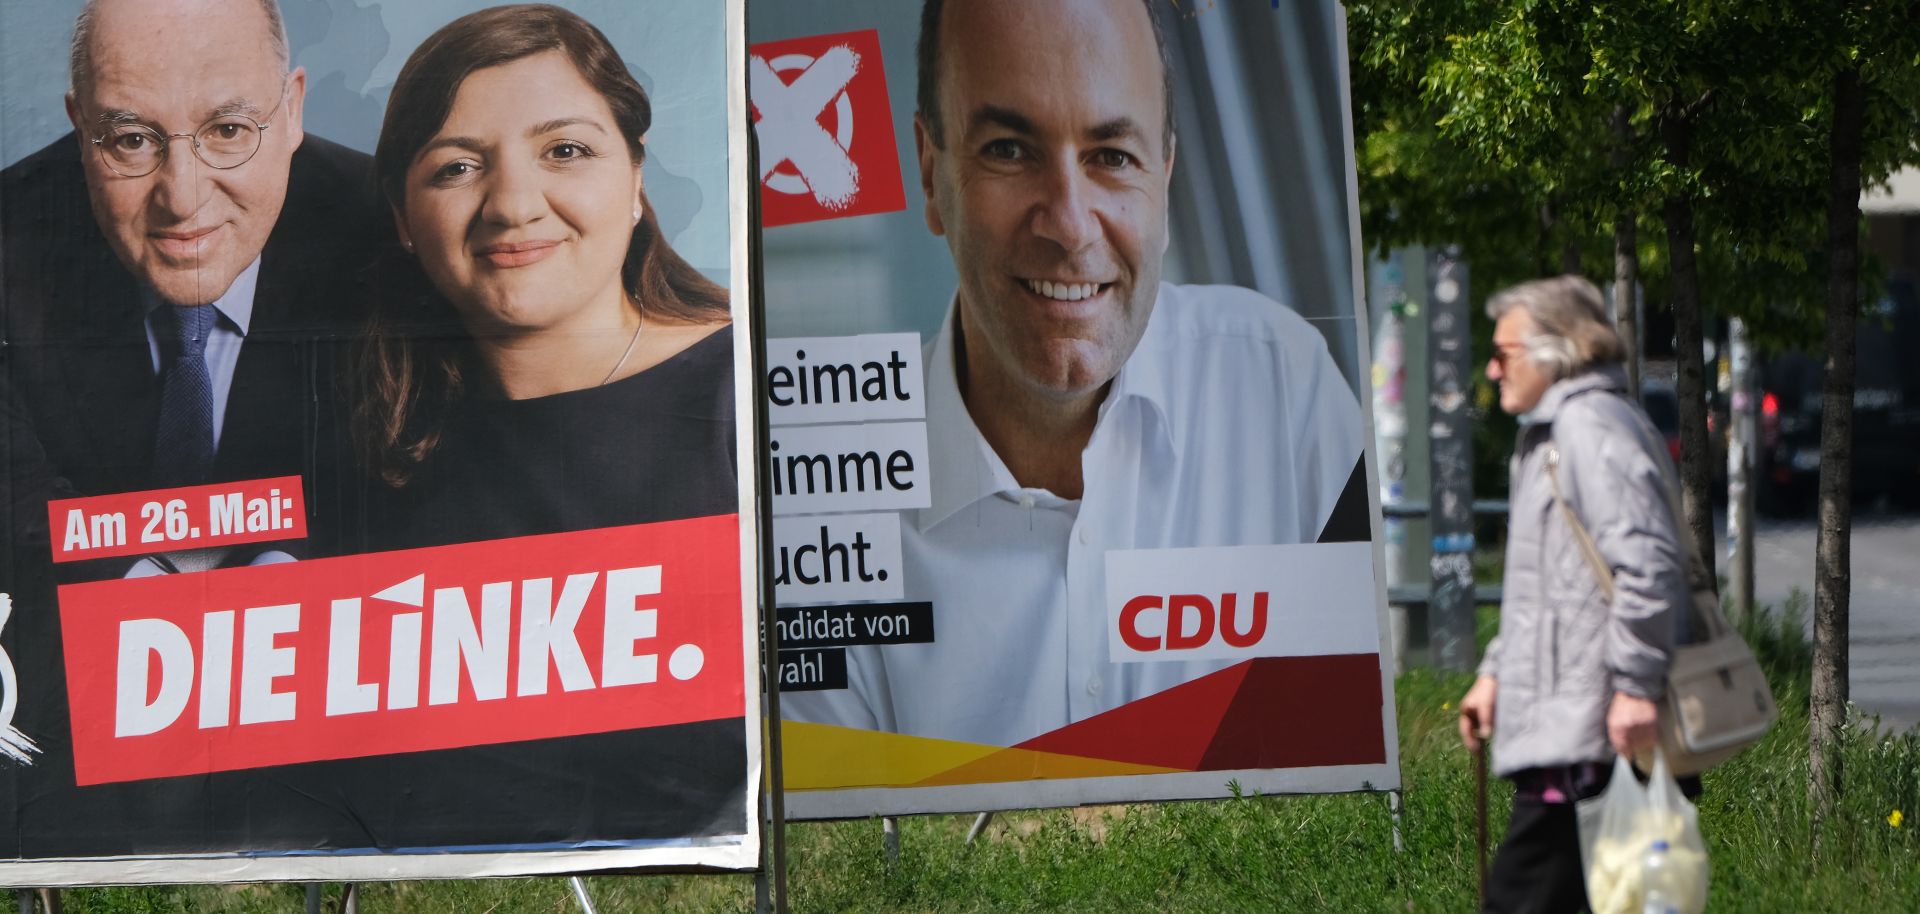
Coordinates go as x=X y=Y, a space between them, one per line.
x=1067 y=404
x=377 y=395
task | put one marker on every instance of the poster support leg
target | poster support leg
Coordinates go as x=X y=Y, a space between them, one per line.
x=979 y=825
x=580 y=895
x=50 y=901
x=1393 y=804
x=890 y=837
x=313 y=898
x=25 y=897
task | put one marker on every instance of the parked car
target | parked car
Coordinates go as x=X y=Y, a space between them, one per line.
x=1662 y=404
x=1663 y=407
x=1886 y=411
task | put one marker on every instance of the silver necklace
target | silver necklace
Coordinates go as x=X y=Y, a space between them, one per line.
x=624 y=356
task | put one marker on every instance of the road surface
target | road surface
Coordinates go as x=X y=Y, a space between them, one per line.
x=1885 y=617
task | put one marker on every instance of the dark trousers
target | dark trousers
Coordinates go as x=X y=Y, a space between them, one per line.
x=1537 y=868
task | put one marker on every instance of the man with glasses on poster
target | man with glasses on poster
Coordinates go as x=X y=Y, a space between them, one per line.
x=180 y=272
x=1077 y=404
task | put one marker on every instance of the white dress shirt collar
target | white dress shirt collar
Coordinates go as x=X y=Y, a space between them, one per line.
x=236 y=304
x=223 y=340
x=968 y=469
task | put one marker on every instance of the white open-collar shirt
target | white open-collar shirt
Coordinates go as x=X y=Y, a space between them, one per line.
x=1230 y=424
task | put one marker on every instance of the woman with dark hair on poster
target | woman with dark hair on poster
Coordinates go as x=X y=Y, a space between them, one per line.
x=543 y=360
x=540 y=361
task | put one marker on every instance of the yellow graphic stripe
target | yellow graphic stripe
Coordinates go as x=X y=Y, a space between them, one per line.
x=825 y=757
x=1028 y=765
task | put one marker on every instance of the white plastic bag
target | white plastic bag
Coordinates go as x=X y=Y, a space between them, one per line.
x=1618 y=828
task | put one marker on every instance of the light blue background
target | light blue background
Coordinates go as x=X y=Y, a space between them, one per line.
x=353 y=49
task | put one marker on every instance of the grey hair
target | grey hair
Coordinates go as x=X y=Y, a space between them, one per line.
x=1572 y=333
x=80 y=53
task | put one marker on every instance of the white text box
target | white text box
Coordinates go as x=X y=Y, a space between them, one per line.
x=1227 y=602
x=868 y=378
x=835 y=469
x=836 y=558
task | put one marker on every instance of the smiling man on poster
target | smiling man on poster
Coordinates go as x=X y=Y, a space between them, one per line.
x=179 y=271
x=1077 y=404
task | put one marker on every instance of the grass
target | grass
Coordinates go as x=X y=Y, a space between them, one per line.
x=1266 y=854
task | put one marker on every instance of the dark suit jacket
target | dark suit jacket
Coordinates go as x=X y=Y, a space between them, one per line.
x=83 y=398
x=80 y=417
x=81 y=402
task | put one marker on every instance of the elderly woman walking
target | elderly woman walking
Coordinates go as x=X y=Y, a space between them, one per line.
x=1573 y=677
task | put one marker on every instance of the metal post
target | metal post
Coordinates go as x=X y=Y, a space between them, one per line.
x=580 y=895
x=773 y=868
x=1740 y=460
x=25 y=897
x=1450 y=615
x=979 y=825
x=890 y=837
x=1480 y=817
x=313 y=898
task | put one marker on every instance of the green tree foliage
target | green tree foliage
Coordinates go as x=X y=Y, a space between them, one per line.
x=1734 y=135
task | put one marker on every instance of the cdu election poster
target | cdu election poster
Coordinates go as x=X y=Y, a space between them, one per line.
x=1067 y=399
x=377 y=387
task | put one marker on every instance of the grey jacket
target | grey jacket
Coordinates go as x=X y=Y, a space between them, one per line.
x=1563 y=650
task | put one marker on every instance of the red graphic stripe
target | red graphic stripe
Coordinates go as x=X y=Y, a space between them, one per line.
x=1270 y=712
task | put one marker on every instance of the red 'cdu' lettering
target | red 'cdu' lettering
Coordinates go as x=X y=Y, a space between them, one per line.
x=1178 y=639
x=1130 y=623
x=1191 y=622
x=1256 y=627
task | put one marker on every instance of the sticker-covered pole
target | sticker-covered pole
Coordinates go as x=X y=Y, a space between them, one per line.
x=1740 y=451
x=1450 y=617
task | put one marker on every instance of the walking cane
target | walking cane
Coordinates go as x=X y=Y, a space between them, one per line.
x=1480 y=817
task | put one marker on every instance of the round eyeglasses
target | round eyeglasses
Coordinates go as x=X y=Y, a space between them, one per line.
x=224 y=141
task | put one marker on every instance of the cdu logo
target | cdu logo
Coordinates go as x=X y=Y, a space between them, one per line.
x=13 y=744
x=825 y=128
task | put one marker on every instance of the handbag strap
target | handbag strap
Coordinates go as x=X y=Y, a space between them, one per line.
x=1710 y=624
x=1601 y=573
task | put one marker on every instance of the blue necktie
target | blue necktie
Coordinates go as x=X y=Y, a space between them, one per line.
x=183 y=444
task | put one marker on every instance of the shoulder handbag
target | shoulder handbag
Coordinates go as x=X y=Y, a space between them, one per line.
x=1717 y=700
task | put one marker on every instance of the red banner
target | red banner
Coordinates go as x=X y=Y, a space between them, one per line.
x=471 y=644
x=162 y=520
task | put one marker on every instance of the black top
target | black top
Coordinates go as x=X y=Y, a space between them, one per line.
x=658 y=445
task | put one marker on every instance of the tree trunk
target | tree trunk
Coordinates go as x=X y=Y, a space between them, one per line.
x=1832 y=550
x=1570 y=253
x=1541 y=264
x=1690 y=386
x=1626 y=256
